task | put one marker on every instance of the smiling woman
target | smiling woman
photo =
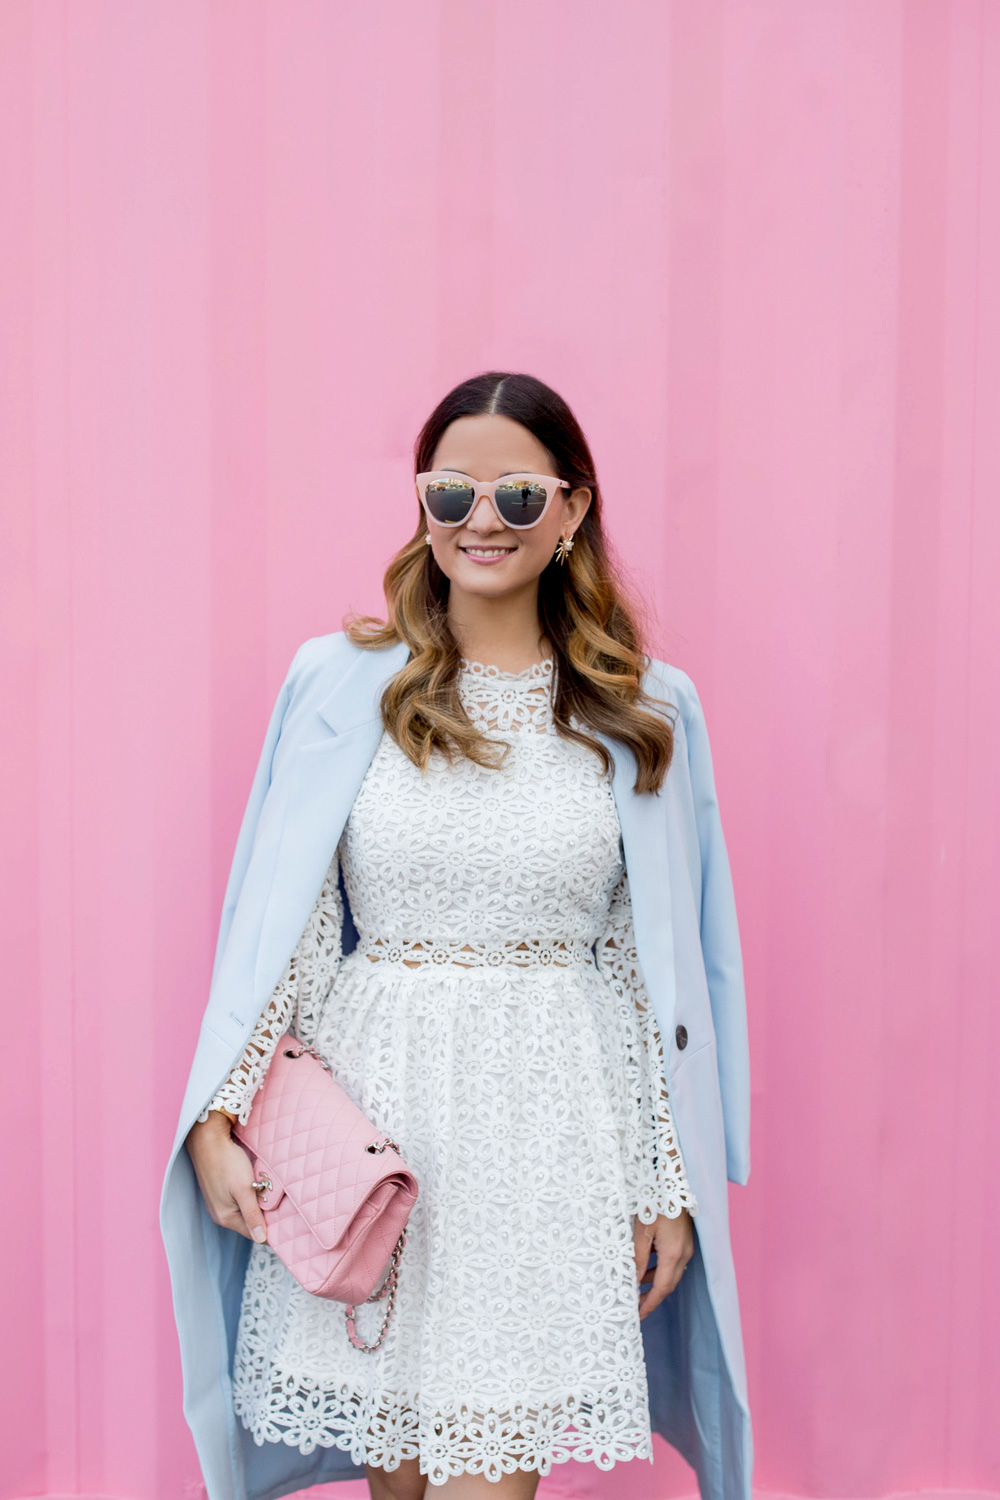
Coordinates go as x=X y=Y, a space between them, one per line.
x=509 y=807
x=492 y=533
x=509 y=593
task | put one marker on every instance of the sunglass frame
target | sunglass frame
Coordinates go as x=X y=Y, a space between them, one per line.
x=552 y=486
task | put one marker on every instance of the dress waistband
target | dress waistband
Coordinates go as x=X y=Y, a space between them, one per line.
x=522 y=953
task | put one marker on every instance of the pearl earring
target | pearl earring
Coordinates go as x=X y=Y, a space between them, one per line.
x=564 y=548
x=427 y=537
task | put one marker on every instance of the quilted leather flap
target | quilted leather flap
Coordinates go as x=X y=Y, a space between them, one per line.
x=310 y=1137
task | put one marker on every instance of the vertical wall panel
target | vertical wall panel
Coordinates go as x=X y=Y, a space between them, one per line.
x=22 y=1381
x=247 y=245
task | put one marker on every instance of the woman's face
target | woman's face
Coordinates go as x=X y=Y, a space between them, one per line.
x=484 y=556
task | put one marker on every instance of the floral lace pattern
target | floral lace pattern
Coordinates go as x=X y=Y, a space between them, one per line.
x=296 y=1001
x=493 y=1020
x=653 y=1163
x=472 y=955
x=502 y=702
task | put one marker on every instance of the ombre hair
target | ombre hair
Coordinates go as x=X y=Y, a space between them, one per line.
x=583 y=611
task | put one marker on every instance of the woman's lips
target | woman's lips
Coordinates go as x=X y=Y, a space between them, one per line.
x=485 y=556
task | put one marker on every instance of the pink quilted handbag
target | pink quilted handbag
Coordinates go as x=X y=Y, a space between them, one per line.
x=334 y=1204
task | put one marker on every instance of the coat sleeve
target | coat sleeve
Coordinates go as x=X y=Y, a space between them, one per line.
x=296 y=1002
x=720 y=942
x=258 y=791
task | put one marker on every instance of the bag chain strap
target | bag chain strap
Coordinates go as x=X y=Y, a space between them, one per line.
x=390 y=1282
x=388 y=1288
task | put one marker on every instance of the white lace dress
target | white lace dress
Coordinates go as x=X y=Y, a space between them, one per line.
x=493 y=1021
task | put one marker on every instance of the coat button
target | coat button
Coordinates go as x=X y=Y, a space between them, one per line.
x=681 y=1037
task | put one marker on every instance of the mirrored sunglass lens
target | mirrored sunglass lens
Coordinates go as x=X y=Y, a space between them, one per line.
x=449 y=500
x=520 y=503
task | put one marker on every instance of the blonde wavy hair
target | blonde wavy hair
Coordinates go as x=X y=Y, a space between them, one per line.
x=583 y=611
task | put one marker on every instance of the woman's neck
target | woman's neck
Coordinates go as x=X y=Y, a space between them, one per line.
x=502 y=633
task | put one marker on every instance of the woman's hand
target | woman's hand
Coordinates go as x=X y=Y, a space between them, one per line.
x=225 y=1177
x=674 y=1243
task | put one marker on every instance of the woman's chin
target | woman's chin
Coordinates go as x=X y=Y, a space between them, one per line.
x=502 y=577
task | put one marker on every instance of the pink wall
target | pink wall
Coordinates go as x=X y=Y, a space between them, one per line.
x=754 y=242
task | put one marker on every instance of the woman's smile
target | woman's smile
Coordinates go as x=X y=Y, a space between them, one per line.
x=483 y=554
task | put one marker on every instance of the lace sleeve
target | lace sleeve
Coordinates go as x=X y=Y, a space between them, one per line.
x=296 y=1001
x=656 y=1177
x=235 y=1096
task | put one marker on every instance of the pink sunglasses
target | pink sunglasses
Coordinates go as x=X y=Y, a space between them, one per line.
x=520 y=500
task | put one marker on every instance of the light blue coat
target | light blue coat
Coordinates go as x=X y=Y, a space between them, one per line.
x=321 y=738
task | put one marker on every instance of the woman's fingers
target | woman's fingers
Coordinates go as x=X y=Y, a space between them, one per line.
x=642 y=1244
x=674 y=1241
x=250 y=1212
x=663 y=1283
x=244 y=1193
x=225 y=1176
x=666 y=1277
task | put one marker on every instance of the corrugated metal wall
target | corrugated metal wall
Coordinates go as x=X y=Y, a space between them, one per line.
x=755 y=244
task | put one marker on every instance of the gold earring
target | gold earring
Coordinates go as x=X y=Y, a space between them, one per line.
x=564 y=548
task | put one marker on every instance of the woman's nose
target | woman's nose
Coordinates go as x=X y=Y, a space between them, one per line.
x=484 y=518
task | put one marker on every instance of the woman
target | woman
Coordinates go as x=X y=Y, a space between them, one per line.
x=497 y=900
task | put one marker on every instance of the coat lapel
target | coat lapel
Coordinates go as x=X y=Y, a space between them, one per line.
x=324 y=777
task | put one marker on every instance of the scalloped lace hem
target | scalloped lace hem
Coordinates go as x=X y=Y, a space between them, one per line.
x=385 y=1431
